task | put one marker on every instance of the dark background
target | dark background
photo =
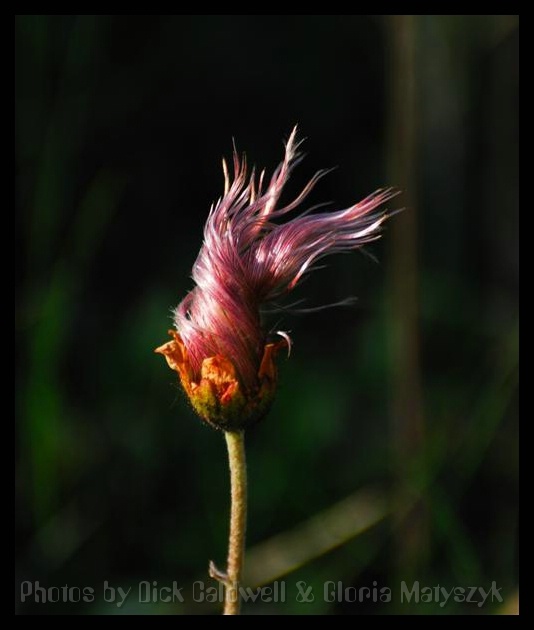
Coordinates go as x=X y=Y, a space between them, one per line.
x=395 y=425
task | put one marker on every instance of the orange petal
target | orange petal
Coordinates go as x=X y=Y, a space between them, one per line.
x=268 y=366
x=218 y=370
x=176 y=356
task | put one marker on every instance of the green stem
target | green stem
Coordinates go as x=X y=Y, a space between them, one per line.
x=235 y=441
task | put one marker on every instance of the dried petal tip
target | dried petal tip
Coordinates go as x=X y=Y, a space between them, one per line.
x=217 y=395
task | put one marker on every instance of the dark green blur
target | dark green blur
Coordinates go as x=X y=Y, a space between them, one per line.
x=395 y=424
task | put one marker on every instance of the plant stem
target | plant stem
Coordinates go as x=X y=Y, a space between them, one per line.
x=235 y=441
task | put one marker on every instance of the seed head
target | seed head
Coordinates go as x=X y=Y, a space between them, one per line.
x=249 y=257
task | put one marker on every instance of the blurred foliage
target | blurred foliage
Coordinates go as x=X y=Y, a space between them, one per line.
x=120 y=125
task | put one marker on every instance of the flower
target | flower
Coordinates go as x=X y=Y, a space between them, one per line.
x=224 y=360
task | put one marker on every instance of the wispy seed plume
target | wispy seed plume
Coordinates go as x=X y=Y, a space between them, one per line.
x=253 y=253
